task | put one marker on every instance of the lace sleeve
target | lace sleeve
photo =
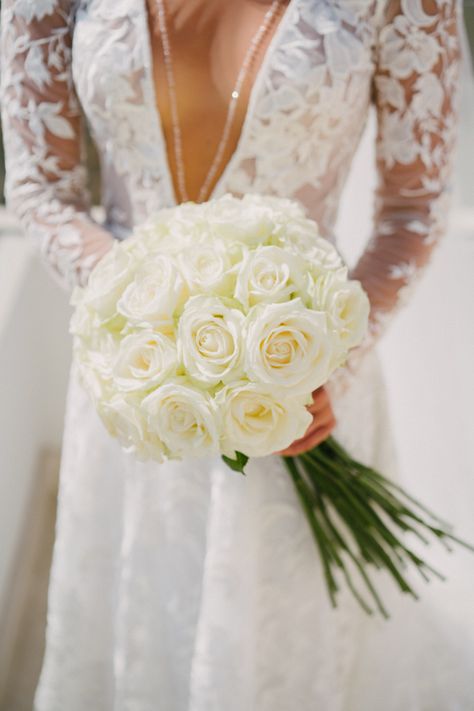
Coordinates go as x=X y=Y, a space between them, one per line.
x=415 y=90
x=45 y=178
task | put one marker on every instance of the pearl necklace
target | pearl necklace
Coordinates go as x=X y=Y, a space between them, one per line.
x=170 y=79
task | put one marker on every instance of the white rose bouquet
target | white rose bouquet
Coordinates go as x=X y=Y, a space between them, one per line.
x=207 y=331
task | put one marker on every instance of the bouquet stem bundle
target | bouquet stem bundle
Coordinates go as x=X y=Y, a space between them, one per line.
x=357 y=514
x=359 y=519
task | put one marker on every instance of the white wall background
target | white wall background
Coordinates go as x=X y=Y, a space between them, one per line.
x=34 y=356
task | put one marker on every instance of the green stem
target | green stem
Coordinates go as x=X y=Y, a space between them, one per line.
x=373 y=522
x=342 y=543
x=327 y=479
x=307 y=508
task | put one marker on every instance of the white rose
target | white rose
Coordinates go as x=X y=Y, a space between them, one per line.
x=162 y=230
x=170 y=235
x=108 y=280
x=154 y=295
x=84 y=321
x=283 y=209
x=346 y=305
x=155 y=228
x=183 y=418
x=136 y=247
x=210 y=340
x=190 y=212
x=98 y=353
x=123 y=418
x=302 y=238
x=324 y=257
x=93 y=383
x=208 y=266
x=144 y=360
x=269 y=274
x=257 y=423
x=288 y=346
x=94 y=361
x=235 y=219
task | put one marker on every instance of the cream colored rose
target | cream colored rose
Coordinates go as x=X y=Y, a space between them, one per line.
x=183 y=417
x=269 y=274
x=84 y=321
x=144 y=360
x=325 y=257
x=346 y=305
x=282 y=209
x=233 y=219
x=210 y=340
x=123 y=418
x=94 y=359
x=301 y=236
x=207 y=266
x=97 y=387
x=108 y=280
x=169 y=226
x=180 y=234
x=89 y=330
x=288 y=346
x=156 y=292
x=99 y=352
x=258 y=422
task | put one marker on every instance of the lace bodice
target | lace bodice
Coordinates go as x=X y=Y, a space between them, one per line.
x=326 y=62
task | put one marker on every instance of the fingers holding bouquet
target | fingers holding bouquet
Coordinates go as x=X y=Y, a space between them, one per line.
x=320 y=428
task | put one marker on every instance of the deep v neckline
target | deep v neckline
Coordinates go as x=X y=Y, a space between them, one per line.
x=253 y=96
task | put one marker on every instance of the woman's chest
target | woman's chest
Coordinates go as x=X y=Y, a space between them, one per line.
x=309 y=90
x=203 y=72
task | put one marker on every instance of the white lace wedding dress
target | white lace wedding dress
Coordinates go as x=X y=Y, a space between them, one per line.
x=182 y=586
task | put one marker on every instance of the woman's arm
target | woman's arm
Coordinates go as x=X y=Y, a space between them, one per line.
x=415 y=91
x=45 y=177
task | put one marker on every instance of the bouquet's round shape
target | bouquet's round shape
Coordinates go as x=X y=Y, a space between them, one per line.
x=209 y=328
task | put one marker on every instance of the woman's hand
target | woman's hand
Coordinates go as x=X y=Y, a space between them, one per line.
x=321 y=427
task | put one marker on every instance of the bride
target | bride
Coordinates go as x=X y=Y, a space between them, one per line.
x=180 y=587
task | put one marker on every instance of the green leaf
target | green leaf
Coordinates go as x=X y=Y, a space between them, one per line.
x=238 y=463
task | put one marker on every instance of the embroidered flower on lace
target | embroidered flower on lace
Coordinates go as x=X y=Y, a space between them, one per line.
x=307 y=113
x=406 y=49
x=36 y=10
x=429 y=96
x=397 y=144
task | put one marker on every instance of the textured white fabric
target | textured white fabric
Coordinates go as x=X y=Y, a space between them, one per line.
x=184 y=587
x=306 y=113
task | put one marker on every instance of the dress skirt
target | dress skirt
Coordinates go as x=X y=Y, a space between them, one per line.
x=185 y=586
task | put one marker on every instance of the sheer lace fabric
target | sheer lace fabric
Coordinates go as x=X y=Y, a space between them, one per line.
x=180 y=587
x=306 y=113
x=415 y=93
x=42 y=134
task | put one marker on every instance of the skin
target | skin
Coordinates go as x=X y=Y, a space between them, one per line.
x=209 y=39
x=202 y=12
x=206 y=64
x=321 y=427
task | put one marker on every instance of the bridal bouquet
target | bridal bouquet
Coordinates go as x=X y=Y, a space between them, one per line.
x=207 y=331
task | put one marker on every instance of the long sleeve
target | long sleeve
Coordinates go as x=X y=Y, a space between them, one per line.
x=42 y=130
x=415 y=92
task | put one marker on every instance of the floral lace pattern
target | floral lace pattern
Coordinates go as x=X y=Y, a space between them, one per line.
x=416 y=83
x=203 y=593
x=306 y=113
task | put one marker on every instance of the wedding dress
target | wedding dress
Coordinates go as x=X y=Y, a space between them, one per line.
x=183 y=586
